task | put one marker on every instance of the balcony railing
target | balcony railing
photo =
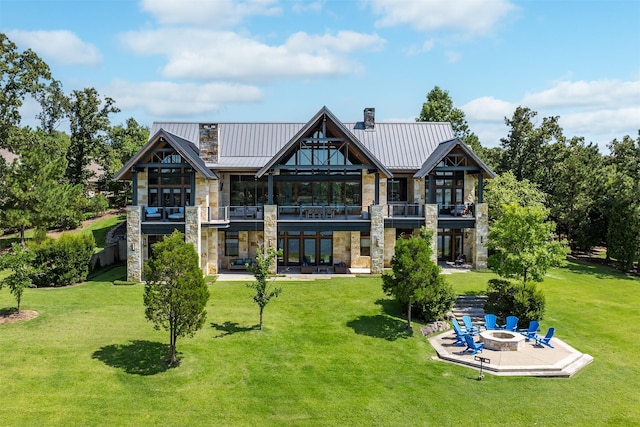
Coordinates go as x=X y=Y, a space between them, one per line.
x=463 y=210
x=407 y=210
x=315 y=212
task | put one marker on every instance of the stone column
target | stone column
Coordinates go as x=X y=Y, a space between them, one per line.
x=192 y=224
x=134 y=244
x=431 y=224
x=271 y=232
x=377 y=239
x=482 y=230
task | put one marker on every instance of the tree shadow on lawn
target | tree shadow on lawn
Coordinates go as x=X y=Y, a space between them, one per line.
x=593 y=269
x=229 y=328
x=137 y=358
x=381 y=326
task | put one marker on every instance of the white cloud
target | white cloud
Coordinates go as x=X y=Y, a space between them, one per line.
x=61 y=47
x=167 y=99
x=452 y=56
x=303 y=7
x=426 y=47
x=587 y=94
x=488 y=109
x=462 y=16
x=207 y=55
x=212 y=13
x=598 y=110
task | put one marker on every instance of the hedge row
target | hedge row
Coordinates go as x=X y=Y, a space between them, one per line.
x=63 y=261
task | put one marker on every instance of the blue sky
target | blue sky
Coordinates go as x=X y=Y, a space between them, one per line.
x=271 y=60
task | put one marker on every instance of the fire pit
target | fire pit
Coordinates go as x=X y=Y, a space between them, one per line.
x=502 y=340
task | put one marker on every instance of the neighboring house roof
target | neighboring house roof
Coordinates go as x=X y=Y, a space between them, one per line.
x=243 y=146
x=185 y=148
x=445 y=148
x=96 y=169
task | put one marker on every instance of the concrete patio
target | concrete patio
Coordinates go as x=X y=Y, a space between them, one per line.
x=560 y=361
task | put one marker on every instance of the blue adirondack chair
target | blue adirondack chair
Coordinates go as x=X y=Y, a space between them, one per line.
x=512 y=324
x=530 y=332
x=469 y=327
x=459 y=334
x=490 y=322
x=545 y=340
x=473 y=346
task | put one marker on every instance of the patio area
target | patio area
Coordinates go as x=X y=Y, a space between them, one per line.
x=531 y=360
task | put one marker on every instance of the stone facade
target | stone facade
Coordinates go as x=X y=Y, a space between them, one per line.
x=134 y=245
x=342 y=247
x=377 y=239
x=431 y=224
x=481 y=231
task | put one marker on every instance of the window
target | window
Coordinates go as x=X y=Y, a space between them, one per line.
x=231 y=243
x=365 y=244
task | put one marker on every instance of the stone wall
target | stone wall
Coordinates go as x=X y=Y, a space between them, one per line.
x=389 y=245
x=481 y=231
x=469 y=188
x=192 y=227
x=431 y=224
x=377 y=239
x=134 y=244
x=368 y=189
x=418 y=190
x=342 y=247
x=143 y=196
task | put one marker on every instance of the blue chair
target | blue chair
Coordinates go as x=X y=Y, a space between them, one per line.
x=512 y=324
x=469 y=327
x=459 y=334
x=472 y=345
x=490 y=322
x=152 y=213
x=530 y=332
x=545 y=340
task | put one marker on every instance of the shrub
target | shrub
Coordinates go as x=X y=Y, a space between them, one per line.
x=63 y=261
x=97 y=205
x=506 y=298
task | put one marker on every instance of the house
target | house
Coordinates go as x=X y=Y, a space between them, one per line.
x=328 y=193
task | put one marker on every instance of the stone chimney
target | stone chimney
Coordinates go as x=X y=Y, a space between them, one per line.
x=209 y=144
x=369 y=118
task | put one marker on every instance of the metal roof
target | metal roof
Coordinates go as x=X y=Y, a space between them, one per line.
x=398 y=146
x=445 y=148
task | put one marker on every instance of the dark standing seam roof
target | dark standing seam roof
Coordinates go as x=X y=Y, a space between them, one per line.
x=445 y=148
x=252 y=146
x=184 y=147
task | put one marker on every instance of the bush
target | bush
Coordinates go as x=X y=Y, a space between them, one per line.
x=63 y=261
x=97 y=205
x=506 y=298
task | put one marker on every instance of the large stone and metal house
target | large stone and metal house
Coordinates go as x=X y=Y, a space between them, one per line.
x=332 y=195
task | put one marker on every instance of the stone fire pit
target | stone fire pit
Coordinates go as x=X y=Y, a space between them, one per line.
x=502 y=340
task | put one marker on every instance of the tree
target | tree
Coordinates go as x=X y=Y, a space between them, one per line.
x=20 y=261
x=89 y=124
x=264 y=290
x=523 y=243
x=623 y=236
x=439 y=108
x=21 y=75
x=32 y=191
x=505 y=189
x=175 y=294
x=122 y=144
x=525 y=148
x=416 y=279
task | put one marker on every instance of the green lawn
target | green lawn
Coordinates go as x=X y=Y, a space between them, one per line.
x=333 y=353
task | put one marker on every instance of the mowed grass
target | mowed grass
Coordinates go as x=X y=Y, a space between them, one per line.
x=333 y=353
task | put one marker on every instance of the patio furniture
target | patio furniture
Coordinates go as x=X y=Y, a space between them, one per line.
x=473 y=346
x=545 y=340
x=490 y=322
x=458 y=332
x=177 y=216
x=512 y=324
x=469 y=326
x=152 y=213
x=530 y=332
